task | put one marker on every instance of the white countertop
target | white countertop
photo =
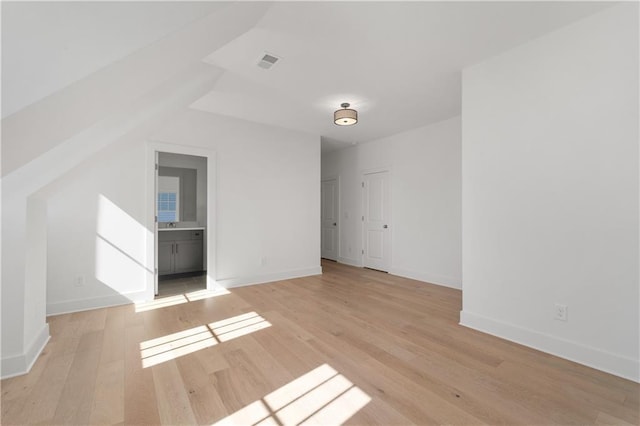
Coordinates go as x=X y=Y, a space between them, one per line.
x=196 y=228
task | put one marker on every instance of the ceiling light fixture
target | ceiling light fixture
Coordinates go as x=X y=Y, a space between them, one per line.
x=345 y=116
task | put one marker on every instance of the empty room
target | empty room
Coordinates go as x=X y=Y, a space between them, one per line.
x=320 y=212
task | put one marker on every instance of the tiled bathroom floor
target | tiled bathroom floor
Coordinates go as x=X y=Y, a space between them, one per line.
x=171 y=287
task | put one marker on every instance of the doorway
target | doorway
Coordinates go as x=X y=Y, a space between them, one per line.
x=181 y=212
x=181 y=219
x=329 y=219
x=376 y=220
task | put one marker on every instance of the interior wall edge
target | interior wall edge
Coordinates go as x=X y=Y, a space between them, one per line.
x=18 y=365
x=267 y=278
x=79 y=305
x=350 y=262
x=441 y=280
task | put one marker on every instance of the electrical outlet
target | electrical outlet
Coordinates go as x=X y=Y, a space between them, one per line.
x=561 y=312
x=79 y=281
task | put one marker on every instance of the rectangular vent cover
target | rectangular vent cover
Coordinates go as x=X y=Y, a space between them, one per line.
x=268 y=61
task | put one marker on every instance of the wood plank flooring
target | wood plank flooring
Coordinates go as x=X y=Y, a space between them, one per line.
x=352 y=346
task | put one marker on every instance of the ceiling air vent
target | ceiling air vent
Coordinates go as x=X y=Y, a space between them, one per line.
x=267 y=61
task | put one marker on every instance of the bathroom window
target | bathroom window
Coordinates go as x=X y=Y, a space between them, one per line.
x=168 y=199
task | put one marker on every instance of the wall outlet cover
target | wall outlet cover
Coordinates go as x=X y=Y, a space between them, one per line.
x=79 y=281
x=561 y=312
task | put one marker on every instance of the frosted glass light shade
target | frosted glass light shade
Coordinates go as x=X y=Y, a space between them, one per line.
x=345 y=117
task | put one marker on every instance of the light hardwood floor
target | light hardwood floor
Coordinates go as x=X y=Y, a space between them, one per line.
x=351 y=346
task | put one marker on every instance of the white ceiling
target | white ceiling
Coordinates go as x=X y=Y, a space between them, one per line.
x=398 y=63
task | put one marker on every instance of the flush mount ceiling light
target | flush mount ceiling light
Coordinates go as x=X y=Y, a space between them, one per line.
x=345 y=116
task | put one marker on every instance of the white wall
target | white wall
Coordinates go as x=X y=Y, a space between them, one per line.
x=267 y=196
x=425 y=200
x=96 y=220
x=550 y=192
x=267 y=211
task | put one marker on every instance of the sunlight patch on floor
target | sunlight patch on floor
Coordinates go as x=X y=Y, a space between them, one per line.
x=175 y=345
x=178 y=299
x=206 y=294
x=238 y=326
x=161 y=303
x=323 y=396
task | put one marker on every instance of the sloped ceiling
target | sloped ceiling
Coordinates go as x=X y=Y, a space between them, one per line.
x=398 y=63
x=97 y=100
x=47 y=46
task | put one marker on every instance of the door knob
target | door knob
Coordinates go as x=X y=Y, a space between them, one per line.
x=334 y=223
x=385 y=226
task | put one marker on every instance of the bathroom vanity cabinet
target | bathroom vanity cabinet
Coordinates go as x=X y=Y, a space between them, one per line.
x=180 y=250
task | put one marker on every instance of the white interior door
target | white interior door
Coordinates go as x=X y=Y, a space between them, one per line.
x=329 y=217
x=376 y=221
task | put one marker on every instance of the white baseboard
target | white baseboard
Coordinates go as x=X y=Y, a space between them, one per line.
x=618 y=365
x=21 y=364
x=428 y=278
x=351 y=262
x=79 y=305
x=267 y=278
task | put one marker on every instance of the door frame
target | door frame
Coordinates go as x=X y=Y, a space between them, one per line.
x=153 y=147
x=363 y=209
x=337 y=179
